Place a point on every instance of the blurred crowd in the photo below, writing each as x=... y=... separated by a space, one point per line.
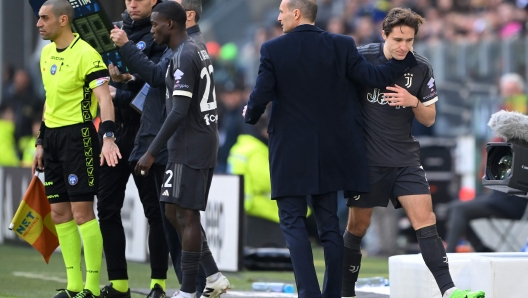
x=446 y=20
x=20 y=117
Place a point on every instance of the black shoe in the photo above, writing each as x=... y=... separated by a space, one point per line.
x=63 y=293
x=108 y=291
x=86 y=294
x=157 y=292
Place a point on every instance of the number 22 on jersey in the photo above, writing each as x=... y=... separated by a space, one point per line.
x=205 y=105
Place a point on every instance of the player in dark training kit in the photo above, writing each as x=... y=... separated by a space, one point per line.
x=395 y=169
x=192 y=135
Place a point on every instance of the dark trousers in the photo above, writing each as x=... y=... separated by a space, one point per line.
x=175 y=249
x=292 y=213
x=460 y=216
x=112 y=185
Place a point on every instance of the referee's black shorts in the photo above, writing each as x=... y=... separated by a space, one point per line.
x=186 y=187
x=71 y=162
x=388 y=183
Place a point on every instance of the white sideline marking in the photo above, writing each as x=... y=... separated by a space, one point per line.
x=42 y=277
x=39 y=276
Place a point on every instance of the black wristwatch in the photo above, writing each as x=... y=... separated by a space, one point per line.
x=108 y=134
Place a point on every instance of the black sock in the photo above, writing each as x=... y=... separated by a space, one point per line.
x=434 y=255
x=189 y=265
x=207 y=261
x=351 y=263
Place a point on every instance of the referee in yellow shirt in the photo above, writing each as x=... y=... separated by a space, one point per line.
x=75 y=78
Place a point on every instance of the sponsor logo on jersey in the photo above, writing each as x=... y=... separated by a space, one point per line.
x=53 y=69
x=165 y=193
x=408 y=80
x=210 y=118
x=97 y=64
x=181 y=86
x=178 y=74
x=430 y=84
x=141 y=45
x=72 y=179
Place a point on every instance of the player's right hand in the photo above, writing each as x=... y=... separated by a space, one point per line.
x=38 y=159
x=110 y=152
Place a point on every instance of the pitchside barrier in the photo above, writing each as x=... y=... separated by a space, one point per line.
x=223 y=220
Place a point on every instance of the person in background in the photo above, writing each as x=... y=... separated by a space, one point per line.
x=8 y=155
x=249 y=157
x=29 y=151
x=25 y=105
x=494 y=204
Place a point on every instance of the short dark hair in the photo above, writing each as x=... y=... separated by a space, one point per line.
x=398 y=17
x=172 y=10
x=194 y=5
x=308 y=8
x=61 y=7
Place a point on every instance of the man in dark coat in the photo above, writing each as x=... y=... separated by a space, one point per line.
x=316 y=140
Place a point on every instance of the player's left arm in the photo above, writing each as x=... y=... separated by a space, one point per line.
x=180 y=107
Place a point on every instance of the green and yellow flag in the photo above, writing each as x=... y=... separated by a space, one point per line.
x=32 y=221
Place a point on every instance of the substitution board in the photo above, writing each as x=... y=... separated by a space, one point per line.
x=93 y=25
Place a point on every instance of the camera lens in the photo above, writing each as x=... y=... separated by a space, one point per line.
x=504 y=168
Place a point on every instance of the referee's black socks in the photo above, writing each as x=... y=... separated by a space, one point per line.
x=434 y=255
x=351 y=263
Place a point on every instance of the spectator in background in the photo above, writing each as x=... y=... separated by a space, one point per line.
x=249 y=157
x=8 y=155
x=232 y=101
x=25 y=105
x=512 y=92
x=494 y=204
x=29 y=151
x=7 y=80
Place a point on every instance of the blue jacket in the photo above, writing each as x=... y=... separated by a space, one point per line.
x=316 y=141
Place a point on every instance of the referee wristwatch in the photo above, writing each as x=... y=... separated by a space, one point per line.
x=109 y=134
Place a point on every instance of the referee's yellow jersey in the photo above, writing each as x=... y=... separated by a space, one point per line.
x=69 y=75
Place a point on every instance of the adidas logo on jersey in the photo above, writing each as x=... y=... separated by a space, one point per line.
x=165 y=193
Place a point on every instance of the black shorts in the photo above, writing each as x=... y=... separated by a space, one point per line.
x=71 y=162
x=389 y=184
x=186 y=187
